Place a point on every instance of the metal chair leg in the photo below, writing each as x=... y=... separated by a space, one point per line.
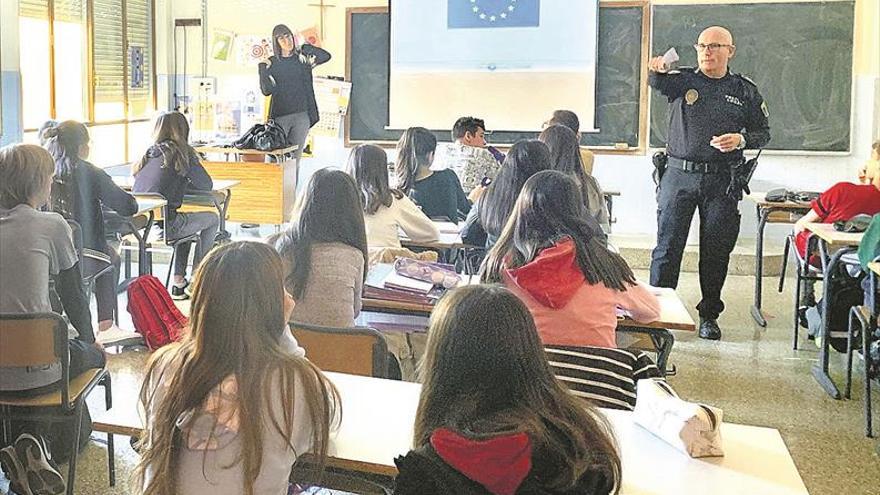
x=170 y=268
x=855 y=316
x=797 y=302
x=866 y=348
x=784 y=263
x=74 y=453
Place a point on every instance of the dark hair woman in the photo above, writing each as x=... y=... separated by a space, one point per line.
x=492 y=418
x=486 y=219
x=170 y=167
x=80 y=192
x=552 y=255
x=566 y=156
x=438 y=193
x=286 y=76
x=325 y=251
x=387 y=211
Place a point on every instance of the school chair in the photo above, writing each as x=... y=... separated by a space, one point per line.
x=92 y=264
x=804 y=271
x=38 y=340
x=604 y=376
x=356 y=350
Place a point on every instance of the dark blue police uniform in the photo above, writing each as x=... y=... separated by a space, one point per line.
x=698 y=175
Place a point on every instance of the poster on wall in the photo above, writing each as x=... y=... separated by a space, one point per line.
x=250 y=49
x=221 y=45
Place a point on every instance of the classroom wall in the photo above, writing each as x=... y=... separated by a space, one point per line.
x=629 y=174
x=10 y=81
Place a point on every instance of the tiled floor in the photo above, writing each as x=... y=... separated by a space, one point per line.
x=752 y=374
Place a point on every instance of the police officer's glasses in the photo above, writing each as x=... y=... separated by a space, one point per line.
x=714 y=47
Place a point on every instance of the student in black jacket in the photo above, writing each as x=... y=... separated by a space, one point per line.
x=287 y=77
x=438 y=193
x=492 y=418
x=170 y=167
x=80 y=192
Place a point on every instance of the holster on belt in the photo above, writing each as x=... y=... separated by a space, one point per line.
x=740 y=175
x=659 y=160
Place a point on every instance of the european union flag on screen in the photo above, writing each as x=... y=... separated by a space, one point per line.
x=493 y=13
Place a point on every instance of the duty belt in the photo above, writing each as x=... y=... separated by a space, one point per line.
x=699 y=167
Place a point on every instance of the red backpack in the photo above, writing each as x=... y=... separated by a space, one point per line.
x=153 y=313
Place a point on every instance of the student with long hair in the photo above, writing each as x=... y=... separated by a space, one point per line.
x=80 y=192
x=170 y=167
x=552 y=255
x=486 y=219
x=325 y=251
x=286 y=76
x=36 y=247
x=438 y=193
x=386 y=211
x=570 y=119
x=231 y=407
x=566 y=157
x=492 y=418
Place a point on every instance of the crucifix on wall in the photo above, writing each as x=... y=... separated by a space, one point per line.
x=321 y=5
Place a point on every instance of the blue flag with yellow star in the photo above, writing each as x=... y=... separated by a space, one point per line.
x=493 y=13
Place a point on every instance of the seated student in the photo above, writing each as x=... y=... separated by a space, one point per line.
x=231 y=407
x=565 y=154
x=486 y=219
x=79 y=193
x=170 y=167
x=34 y=247
x=842 y=201
x=467 y=155
x=491 y=418
x=552 y=255
x=570 y=119
x=325 y=251
x=387 y=211
x=438 y=193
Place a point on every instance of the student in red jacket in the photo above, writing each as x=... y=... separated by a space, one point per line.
x=842 y=201
x=492 y=419
x=552 y=255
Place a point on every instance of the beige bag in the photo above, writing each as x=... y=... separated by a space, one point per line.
x=695 y=429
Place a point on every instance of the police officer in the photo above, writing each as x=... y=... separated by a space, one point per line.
x=713 y=115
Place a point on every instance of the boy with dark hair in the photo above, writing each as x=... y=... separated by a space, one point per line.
x=468 y=155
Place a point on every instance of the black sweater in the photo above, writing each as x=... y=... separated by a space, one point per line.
x=440 y=195
x=156 y=177
x=289 y=81
x=80 y=195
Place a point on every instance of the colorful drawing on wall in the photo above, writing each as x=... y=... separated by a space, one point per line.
x=221 y=45
x=310 y=36
x=250 y=49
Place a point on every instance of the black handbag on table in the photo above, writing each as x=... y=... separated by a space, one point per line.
x=263 y=137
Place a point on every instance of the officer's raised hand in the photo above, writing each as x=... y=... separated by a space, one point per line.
x=726 y=143
x=657 y=64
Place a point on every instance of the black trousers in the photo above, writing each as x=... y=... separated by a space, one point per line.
x=681 y=193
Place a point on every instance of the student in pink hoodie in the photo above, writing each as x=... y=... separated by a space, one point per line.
x=552 y=255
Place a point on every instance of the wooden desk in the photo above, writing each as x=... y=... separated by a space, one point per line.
x=268 y=189
x=450 y=238
x=843 y=243
x=149 y=206
x=673 y=316
x=769 y=212
x=218 y=198
x=377 y=426
x=609 y=204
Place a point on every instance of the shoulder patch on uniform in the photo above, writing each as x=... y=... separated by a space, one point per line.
x=748 y=80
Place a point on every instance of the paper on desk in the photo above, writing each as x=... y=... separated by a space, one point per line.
x=670 y=57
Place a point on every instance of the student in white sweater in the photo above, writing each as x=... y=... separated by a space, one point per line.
x=387 y=212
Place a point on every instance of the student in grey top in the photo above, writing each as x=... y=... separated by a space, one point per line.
x=325 y=251
x=35 y=246
x=467 y=155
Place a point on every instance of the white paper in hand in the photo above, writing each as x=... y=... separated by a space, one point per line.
x=670 y=57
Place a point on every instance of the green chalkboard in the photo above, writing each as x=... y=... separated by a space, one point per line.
x=799 y=55
x=618 y=80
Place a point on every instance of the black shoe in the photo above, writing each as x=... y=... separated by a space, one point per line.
x=709 y=329
x=181 y=293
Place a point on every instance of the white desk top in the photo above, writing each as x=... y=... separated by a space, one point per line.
x=377 y=426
